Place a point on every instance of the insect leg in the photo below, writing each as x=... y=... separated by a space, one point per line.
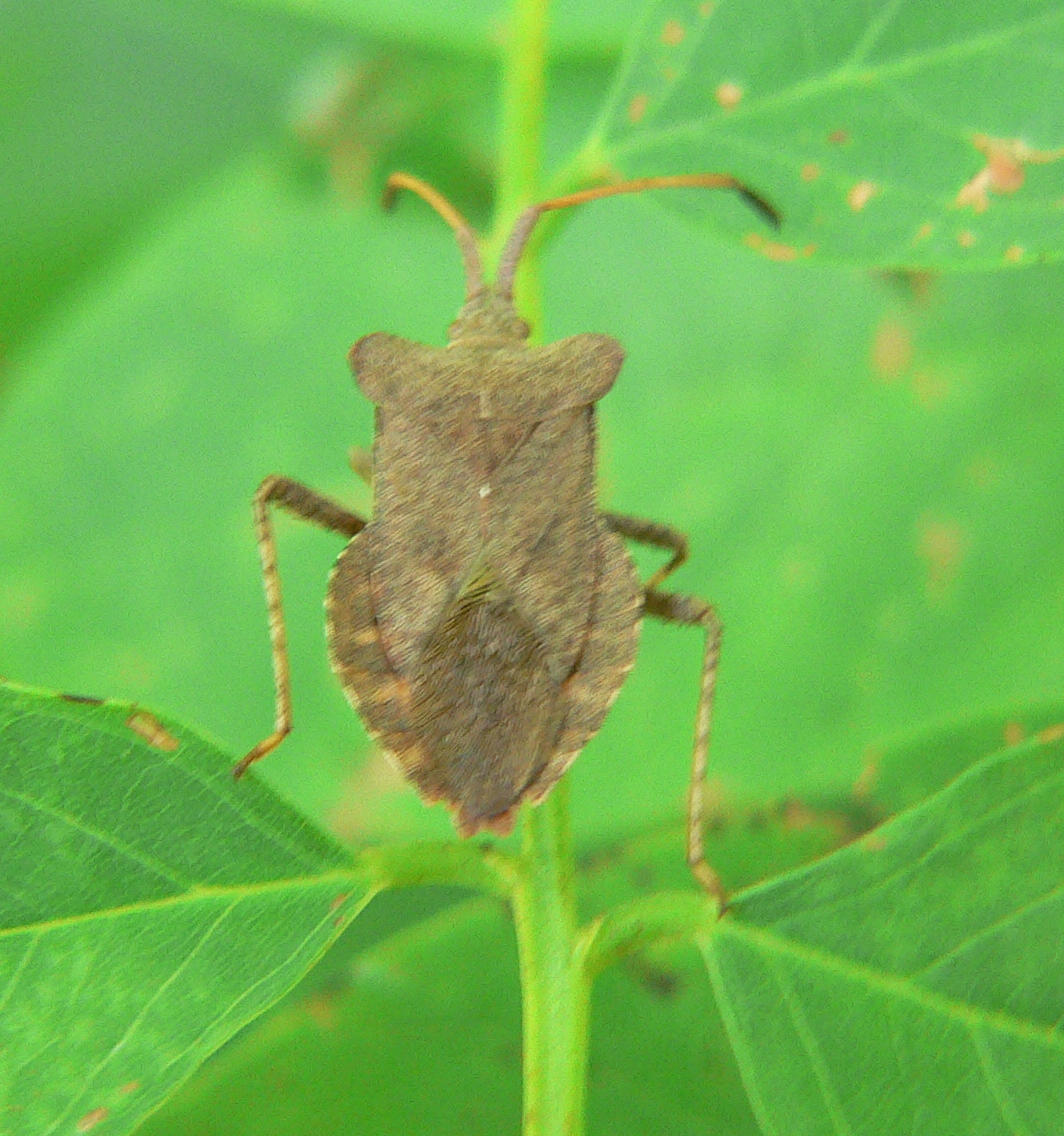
x=693 y=612
x=308 y=506
x=650 y=532
x=689 y=611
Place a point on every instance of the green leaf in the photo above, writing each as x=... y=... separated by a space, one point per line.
x=927 y=135
x=422 y=1034
x=419 y=1032
x=902 y=771
x=912 y=981
x=149 y=908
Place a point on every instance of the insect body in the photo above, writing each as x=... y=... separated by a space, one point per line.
x=484 y=620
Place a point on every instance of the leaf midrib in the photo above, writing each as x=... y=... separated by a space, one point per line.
x=195 y=894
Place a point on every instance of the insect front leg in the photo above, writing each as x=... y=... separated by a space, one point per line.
x=309 y=506
x=672 y=607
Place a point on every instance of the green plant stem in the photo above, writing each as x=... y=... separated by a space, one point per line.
x=555 y=984
x=648 y=921
x=426 y=864
x=524 y=65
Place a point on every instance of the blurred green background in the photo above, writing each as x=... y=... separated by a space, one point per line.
x=869 y=466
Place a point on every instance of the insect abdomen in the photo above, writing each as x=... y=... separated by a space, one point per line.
x=484 y=703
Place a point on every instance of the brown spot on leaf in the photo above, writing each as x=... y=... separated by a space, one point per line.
x=637 y=108
x=129 y=1087
x=83 y=699
x=1051 y=733
x=705 y=10
x=655 y=979
x=839 y=137
x=1004 y=170
x=925 y=230
x=873 y=842
x=797 y=815
x=861 y=194
x=347 y=115
x=672 y=33
x=966 y=238
x=1014 y=254
x=1013 y=733
x=774 y=250
x=915 y=286
x=919 y=285
x=338 y=901
x=728 y=95
x=90 y=1120
x=771 y=249
x=866 y=779
x=892 y=349
x=321 y=1009
x=942 y=545
x=810 y=171
x=149 y=727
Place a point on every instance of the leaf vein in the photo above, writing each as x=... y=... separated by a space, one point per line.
x=998 y=1090
x=138 y=1018
x=192 y=895
x=894 y=985
x=77 y=824
x=807 y=1038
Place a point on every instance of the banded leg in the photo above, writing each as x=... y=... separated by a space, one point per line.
x=688 y=611
x=309 y=506
x=693 y=612
x=650 y=532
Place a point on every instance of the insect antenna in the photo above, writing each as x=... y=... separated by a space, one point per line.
x=526 y=222
x=463 y=231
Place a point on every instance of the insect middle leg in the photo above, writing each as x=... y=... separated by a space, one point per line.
x=643 y=531
x=673 y=607
x=309 y=506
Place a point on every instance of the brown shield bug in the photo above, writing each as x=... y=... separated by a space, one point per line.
x=484 y=620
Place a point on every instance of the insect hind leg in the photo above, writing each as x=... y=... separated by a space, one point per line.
x=672 y=607
x=688 y=611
